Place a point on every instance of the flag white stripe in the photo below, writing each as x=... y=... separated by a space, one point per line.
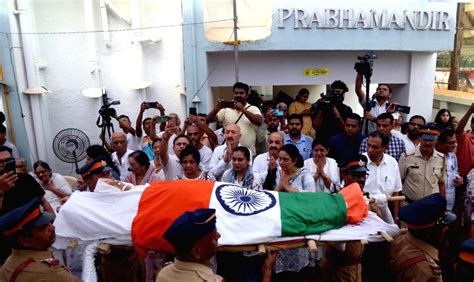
x=260 y=227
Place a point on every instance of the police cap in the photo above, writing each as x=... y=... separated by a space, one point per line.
x=426 y=212
x=97 y=165
x=356 y=163
x=429 y=132
x=467 y=251
x=188 y=228
x=23 y=217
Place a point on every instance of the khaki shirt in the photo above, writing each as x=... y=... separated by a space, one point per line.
x=187 y=271
x=345 y=266
x=42 y=269
x=248 y=130
x=420 y=177
x=413 y=260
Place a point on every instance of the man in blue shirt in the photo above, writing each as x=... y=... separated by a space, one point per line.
x=347 y=143
x=295 y=137
x=446 y=144
x=396 y=146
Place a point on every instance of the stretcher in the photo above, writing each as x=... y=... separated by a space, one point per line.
x=106 y=216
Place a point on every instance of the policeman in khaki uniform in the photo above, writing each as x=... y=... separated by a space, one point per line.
x=412 y=256
x=343 y=261
x=423 y=170
x=194 y=238
x=31 y=233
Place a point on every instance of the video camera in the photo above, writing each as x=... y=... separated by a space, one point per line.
x=331 y=98
x=365 y=63
x=106 y=111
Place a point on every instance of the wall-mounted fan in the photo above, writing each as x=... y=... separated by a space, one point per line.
x=70 y=145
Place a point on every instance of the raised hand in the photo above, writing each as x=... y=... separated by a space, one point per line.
x=7 y=181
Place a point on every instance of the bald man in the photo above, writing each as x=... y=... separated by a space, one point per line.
x=269 y=159
x=120 y=156
x=221 y=157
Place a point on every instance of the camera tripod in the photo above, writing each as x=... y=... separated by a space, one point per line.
x=364 y=67
x=106 y=127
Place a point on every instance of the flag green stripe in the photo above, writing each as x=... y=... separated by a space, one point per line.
x=311 y=213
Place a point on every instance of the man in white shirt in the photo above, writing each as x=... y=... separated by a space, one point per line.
x=274 y=142
x=266 y=166
x=126 y=126
x=379 y=104
x=119 y=143
x=195 y=129
x=384 y=176
x=412 y=138
x=170 y=163
x=222 y=155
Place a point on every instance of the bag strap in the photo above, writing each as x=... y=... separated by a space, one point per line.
x=242 y=114
x=20 y=268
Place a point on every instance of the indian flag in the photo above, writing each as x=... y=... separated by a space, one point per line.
x=243 y=216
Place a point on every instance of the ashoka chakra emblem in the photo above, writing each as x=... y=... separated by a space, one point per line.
x=240 y=201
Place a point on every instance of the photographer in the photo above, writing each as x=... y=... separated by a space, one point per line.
x=238 y=111
x=145 y=139
x=16 y=189
x=330 y=111
x=379 y=104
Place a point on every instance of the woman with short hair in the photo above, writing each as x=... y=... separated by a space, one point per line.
x=55 y=185
x=190 y=160
x=293 y=178
x=141 y=172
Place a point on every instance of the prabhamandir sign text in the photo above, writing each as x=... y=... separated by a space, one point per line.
x=360 y=19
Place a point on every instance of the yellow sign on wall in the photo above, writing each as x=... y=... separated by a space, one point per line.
x=316 y=72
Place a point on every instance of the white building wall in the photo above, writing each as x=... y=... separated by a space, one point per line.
x=119 y=66
x=420 y=93
x=285 y=71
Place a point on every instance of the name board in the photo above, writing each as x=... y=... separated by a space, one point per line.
x=359 y=19
x=316 y=72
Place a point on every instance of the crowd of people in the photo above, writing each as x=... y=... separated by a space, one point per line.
x=287 y=147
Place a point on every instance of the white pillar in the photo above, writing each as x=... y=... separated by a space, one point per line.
x=420 y=89
x=38 y=137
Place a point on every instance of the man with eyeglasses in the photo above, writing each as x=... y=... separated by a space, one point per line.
x=379 y=104
x=120 y=157
x=16 y=189
x=412 y=138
